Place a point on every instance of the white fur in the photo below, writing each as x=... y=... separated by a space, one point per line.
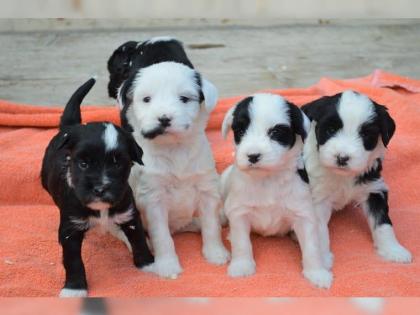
x=333 y=189
x=110 y=137
x=107 y=224
x=73 y=293
x=269 y=198
x=179 y=181
x=160 y=39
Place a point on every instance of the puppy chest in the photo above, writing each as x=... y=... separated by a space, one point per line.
x=270 y=221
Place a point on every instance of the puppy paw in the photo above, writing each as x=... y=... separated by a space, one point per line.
x=73 y=293
x=395 y=253
x=241 y=267
x=321 y=278
x=142 y=261
x=165 y=267
x=328 y=260
x=216 y=254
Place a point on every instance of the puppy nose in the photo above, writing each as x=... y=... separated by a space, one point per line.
x=165 y=121
x=254 y=158
x=342 y=160
x=99 y=191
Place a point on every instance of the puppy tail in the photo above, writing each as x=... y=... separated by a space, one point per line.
x=71 y=114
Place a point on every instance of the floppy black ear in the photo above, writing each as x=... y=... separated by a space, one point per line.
x=136 y=153
x=386 y=123
x=318 y=108
x=299 y=122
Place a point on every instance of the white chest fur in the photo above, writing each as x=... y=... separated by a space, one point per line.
x=175 y=178
x=270 y=203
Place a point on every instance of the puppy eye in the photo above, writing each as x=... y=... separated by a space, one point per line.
x=83 y=165
x=146 y=99
x=330 y=131
x=116 y=162
x=184 y=99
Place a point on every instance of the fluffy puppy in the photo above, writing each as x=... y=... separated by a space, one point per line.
x=166 y=106
x=85 y=170
x=266 y=190
x=343 y=156
x=131 y=56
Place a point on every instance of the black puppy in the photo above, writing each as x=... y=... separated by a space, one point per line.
x=127 y=59
x=85 y=170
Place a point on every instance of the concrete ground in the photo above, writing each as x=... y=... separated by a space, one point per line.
x=45 y=66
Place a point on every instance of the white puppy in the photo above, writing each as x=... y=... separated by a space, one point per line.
x=266 y=189
x=343 y=156
x=167 y=105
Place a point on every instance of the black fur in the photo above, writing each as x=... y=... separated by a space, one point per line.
x=241 y=120
x=324 y=112
x=283 y=134
x=385 y=122
x=296 y=121
x=371 y=175
x=77 y=150
x=378 y=208
x=303 y=174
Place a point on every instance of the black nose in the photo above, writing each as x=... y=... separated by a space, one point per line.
x=99 y=191
x=342 y=160
x=254 y=158
x=165 y=121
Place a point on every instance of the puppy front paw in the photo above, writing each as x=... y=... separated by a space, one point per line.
x=395 y=253
x=143 y=260
x=241 y=267
x=73 y=293
x=216 y=254
x=165 y=267
x=321 y=278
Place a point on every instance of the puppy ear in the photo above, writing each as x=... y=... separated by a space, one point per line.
x=136 y=153
x=299 y=122
x=119 y=65
x=210 y=94
x=316 y=109
x=386 y=123
x=227 y=122
x=125 y=93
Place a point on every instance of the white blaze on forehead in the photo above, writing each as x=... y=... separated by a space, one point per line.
x=268 y=110
x=110 y=137
x=354 y=110
x=160 y=39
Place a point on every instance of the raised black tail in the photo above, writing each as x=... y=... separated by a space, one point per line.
x=71 y=114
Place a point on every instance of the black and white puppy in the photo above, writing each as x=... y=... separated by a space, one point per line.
x=266 y=190
x=343 y=156
x=165 y=103
x=85 y=170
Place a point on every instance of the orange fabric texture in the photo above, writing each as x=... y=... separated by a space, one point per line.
x=30 y=255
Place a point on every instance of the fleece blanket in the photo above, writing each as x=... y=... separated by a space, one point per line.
x=203 y=306
x=30 y=256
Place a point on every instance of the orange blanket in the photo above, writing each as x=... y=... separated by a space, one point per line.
x=30 y=263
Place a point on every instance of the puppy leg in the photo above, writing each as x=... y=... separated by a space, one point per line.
x=71 y=242
x=134 y=232
x=323 y=212
x=385 y=241
x=242 y=263
x=313 y=265
x=166 y=260
x=213 y=249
